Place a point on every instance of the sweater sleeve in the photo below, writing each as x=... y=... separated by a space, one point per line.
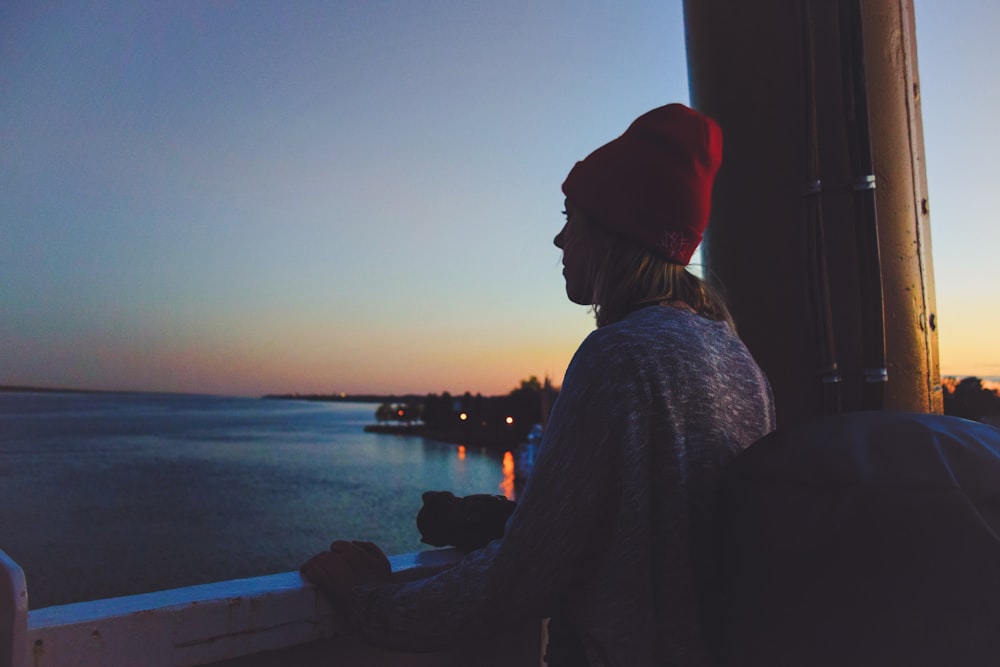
x=561 y=518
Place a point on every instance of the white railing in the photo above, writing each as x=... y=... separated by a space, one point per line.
x=272 y=620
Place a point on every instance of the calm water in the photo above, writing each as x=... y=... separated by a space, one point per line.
x=113 y=494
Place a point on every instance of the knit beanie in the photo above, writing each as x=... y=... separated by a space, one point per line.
x=653 y=184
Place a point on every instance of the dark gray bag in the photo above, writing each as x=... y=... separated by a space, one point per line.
x=862 y=539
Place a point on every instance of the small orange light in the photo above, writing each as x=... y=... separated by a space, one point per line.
x=463 y=416
x=509 y=420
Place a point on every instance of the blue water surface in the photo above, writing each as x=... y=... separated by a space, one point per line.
x=114 y=494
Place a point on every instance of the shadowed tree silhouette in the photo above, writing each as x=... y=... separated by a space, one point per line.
x=499 y=420
x=971 y=400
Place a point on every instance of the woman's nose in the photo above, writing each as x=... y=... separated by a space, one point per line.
x=560 y=237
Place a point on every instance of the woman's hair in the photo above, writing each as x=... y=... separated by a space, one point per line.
x=625 y=277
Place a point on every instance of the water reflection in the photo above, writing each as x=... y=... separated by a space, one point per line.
x=187 y=490
x=507 y=485
x=461 y=452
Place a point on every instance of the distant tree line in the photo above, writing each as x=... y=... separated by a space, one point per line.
x=505 y=417
x=970 y=399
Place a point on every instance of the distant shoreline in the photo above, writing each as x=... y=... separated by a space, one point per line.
x=346 y=398
x=22 y=389
x=495 y=443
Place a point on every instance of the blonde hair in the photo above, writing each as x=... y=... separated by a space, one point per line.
x=625 y=277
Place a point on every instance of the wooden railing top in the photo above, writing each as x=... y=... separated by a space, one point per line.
x=195 y=625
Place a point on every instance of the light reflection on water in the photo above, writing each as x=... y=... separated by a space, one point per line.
x=507 y=485
x=104 y=495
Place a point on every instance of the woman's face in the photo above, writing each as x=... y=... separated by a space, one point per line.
x=578 y=257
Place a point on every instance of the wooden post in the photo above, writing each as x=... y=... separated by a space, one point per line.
x=760 y=69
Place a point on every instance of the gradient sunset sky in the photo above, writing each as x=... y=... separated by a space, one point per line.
x=253 y=197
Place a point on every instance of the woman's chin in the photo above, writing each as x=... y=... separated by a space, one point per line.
x=577 y=298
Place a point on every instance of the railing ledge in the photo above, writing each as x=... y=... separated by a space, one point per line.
x=13 y=612
x=195 y=625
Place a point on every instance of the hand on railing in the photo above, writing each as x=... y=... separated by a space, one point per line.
x=346 y=565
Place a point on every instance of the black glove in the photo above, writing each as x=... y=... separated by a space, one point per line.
x=469 y=522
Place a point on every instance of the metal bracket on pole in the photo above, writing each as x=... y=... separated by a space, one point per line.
x=865 y=183
x=876 y=375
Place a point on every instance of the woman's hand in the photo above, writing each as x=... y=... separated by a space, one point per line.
x=346 y=565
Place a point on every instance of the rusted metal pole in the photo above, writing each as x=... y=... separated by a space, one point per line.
x=772 y=72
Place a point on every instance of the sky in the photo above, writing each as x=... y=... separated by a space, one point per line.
x=243 y=197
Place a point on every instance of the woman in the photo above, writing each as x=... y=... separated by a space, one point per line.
x=612 y=531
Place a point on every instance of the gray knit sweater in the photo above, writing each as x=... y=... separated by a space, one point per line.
x=613 y=523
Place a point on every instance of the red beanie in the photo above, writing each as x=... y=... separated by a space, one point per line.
x=653 y=184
